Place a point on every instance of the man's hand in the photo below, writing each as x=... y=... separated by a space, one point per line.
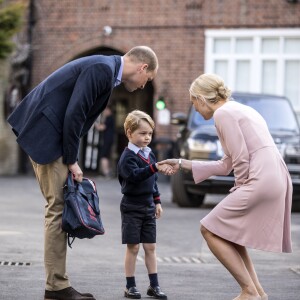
x=76 y=171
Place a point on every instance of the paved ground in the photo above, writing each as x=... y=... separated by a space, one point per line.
x=187 y=269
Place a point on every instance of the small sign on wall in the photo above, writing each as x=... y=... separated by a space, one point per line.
x=164 y=117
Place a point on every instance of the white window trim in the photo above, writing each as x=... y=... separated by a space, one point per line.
x=256 y=58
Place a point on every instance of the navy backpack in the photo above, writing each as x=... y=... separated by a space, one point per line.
x=81 y=214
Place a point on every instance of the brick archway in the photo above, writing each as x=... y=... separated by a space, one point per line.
x=85 y=46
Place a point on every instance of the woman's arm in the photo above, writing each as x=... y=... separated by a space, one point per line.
x=201 y=169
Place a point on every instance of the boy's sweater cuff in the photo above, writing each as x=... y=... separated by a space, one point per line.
x=153 y=168
x=157 y=200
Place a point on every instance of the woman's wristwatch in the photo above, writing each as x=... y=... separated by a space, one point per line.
x=179 y=163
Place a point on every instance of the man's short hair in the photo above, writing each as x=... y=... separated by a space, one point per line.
x=145 y=55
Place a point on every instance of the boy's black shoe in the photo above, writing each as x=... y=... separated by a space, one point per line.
x=132 y=293
x=156 y=292
x=67 y=294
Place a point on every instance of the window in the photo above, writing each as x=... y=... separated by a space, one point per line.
x=256 y=60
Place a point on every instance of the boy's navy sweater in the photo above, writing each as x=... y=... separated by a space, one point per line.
x=138 y=177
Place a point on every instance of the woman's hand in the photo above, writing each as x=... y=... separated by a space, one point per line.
x=166 y=169
x=172 y=162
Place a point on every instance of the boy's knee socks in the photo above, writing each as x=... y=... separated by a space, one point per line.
x=153 y=279
x=130 y=282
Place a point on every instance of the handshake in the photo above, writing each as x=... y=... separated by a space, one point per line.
x=169 y=166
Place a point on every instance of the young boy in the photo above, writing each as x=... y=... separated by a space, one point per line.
x=140 y=205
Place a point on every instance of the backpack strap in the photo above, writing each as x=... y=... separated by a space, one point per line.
x=69 y=240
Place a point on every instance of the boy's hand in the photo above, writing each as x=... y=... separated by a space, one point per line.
x=158 y=211
x=166 y=169
x=173 y=162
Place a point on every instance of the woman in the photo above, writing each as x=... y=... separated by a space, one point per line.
x=256 y=213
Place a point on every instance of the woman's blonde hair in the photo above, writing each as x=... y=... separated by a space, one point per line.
x=211 y=87
x=134 y=118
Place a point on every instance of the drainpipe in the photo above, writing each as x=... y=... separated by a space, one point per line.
x=24 y=161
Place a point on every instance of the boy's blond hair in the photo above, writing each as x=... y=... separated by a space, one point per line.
x=134 y=118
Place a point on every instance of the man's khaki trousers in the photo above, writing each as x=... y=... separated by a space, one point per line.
x=51 y=178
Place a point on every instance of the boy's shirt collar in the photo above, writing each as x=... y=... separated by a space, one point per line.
x=136 y=149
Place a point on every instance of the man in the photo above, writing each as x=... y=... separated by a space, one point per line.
x=49 y=123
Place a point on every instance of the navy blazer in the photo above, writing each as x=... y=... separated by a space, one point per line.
x=52 y=118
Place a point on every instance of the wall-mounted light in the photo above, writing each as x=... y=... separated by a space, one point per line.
x=107 y=30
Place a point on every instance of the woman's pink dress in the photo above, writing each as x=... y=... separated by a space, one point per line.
x=257 y=212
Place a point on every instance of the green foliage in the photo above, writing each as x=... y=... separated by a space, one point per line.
x=10 y=23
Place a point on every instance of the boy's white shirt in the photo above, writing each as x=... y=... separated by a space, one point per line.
x=136 y=149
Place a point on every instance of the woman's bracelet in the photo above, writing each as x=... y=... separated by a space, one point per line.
x=179 y=163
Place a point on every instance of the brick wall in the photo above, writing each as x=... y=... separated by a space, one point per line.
x=173 y=28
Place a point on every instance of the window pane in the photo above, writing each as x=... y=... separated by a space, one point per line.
x=243 y=46
x=222 y=46
x=269 y=74
x=270 y=45
x=277 y=112
x=242 y=76
x=291 y=84
x=221 y=69
x=292 y=45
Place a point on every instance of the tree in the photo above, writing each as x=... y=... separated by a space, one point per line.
x=10 y=23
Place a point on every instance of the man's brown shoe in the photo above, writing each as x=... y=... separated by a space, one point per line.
x=67 y=294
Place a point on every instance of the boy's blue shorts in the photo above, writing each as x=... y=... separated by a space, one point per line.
x=138 y=223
